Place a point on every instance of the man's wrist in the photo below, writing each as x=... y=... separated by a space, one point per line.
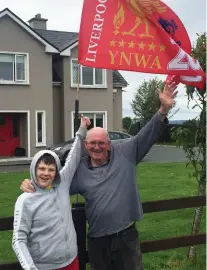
x=162 y=115
x=163 y=111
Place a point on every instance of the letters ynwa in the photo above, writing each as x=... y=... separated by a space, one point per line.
x=143 y=36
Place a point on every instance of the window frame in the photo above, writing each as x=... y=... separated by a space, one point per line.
x=43 y=143
x=26 y=71
x=105 y=119
x=104 y=76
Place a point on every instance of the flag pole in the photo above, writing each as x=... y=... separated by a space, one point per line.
x=77 y=103
x=77 y=110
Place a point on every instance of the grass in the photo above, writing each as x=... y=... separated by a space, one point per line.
x=156 y=182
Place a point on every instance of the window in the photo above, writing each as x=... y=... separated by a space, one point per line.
x=40 y=128
x=13 y=68
x=89 y=77
x=98 y=119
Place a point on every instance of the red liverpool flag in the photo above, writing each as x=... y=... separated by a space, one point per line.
x=136 y=35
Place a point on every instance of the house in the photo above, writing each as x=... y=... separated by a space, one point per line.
x=38 y=87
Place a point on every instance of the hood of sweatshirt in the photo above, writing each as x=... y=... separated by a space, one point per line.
x=35 y=159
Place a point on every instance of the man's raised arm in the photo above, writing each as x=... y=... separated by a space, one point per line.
x=137 y=147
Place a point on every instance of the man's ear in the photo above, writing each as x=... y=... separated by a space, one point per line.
x=109 y=144
x=85 y=143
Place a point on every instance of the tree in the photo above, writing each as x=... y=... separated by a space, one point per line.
x=146 y=100
x=192 y=136
x=126 y=123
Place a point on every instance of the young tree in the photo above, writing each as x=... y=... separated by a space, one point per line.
x=146 y=100
x=126 y=123
x=192 y=136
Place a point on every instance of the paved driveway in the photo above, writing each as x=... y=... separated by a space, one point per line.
x=14 y=168
x=156 y=154
x=165 y=154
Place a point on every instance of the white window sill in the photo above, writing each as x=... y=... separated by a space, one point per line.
x=90 y=86
x=40 y=145
x=14 y=83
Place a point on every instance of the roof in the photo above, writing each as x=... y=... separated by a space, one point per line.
x=59 y=39
x=118 y=79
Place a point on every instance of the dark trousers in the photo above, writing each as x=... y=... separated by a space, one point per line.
x=120 y=251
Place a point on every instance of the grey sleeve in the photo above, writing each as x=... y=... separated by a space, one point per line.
x=73 y=159
x=137 y=147
x=74 y=186
x=21 y=230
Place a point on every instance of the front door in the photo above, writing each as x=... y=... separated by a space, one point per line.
x=9 y=134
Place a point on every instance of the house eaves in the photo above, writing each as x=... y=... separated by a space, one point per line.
x=118 y=80
x=48 y=47
x=118 y=85
x=67 y=51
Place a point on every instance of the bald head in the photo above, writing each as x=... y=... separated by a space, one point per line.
x=97 y=132
x=98 y=145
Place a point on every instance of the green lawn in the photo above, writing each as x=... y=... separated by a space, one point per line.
x=156 y=182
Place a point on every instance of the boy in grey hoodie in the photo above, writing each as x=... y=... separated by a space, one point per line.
x=44 y=237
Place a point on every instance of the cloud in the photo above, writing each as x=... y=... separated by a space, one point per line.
x=65 y=16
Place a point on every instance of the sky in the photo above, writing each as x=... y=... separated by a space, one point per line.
x=65 y=15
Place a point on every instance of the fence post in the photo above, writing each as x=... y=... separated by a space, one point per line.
x=79 y=219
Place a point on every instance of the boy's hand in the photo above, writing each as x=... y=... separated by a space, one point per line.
x=27 y=186
x=85 y=121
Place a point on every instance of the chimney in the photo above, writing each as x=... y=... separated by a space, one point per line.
x=38 y=22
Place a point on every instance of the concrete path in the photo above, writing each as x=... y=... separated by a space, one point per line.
x=161 y=153
x=156 y=154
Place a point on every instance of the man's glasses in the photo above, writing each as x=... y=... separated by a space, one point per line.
x=99 y=143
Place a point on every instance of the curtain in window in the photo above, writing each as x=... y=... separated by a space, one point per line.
x=6 y=67
x=20 y=67
x=75 y=72
x=98 y=76
x=87 y=76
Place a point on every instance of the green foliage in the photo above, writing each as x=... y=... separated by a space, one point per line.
x=146 y=100
x=198 y=52
x=126 y=122
x=192 y=135
x=189 y=137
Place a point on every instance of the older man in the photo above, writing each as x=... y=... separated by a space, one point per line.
x=106 y=178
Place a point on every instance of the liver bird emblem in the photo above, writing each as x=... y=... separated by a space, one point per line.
x=141 y=8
